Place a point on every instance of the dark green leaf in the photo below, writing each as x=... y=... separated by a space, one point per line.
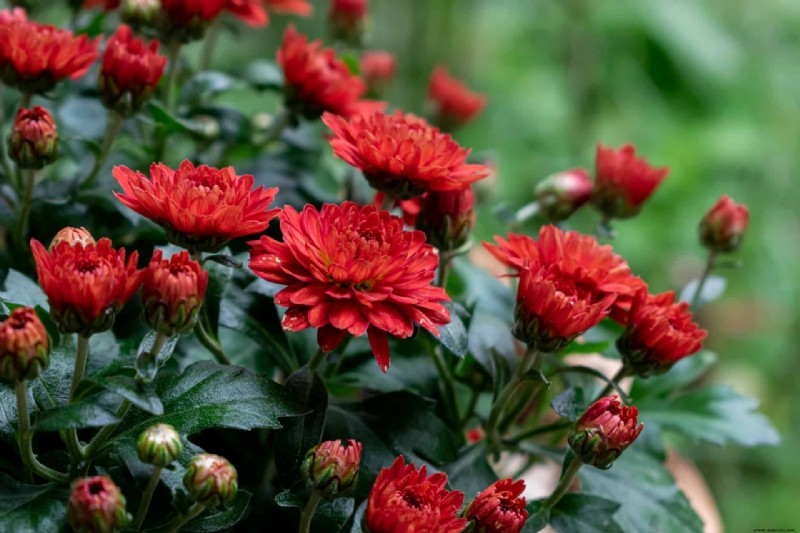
x=31 y=508
x=471 y=473
x=684 y=373
x=218 y=278
x=172 y=124
x=358 y=518
x=585 y=513
x=502 y=371
x=206 y=84
x=219 y=519
x=289 y=499
x=224 y=260
x=142 y=395
x=453 y=336
x=21 y=290
x=8 y=414
x=83 y=414
x=331 y=517
x=570 y=404
x=263 y=75
x=538 y=517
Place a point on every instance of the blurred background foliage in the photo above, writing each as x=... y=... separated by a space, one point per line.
x=706 y=87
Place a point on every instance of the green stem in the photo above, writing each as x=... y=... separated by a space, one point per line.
x=71 y=435
x=308 y=512
x=316 y=359
x=147 y=496
x=113 y=127
x=444 y=268
x=473 y=401
x=209 y=44
x=211 y=345
x=102 y=436
x=563 y=484
x=25 y=437
x=25 y=207
x=180 y=521
x=492 y=433
x=150 y=357
x=279 y=123
x=619 y=376
x=173 y=58
x=525 y=435
x=25 y=100
x=712 y=256
x=7 y=170
x=446 y=380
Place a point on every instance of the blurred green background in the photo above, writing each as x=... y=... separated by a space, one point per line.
x=706 y=87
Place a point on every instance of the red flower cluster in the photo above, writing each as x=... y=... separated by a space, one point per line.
x=317 y=80
x=24 y=345
x=623 y=181
x=401 y=154
x=660 y=333
x=454 y=104
x=130 y=72
x=86 y=285
x=405 y=499
x=201 y=208
x=33 y=142
x=604 y=431
x=255 y=12
x=96 y=504
x=34 y=57
x=378 y=69
x=352 y=269
x=499 y=509
x=172 y=292
x=561 y=194
x=723 y=227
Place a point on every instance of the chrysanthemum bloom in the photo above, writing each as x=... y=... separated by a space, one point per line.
x=660 y=333
x=188 y=19
x=561 y=194
x=16 y=14
x=592 y=266
x=623 y=181
x=604 y=431
x=24 y=345
x=410 y=208
x=553 y=308
x=454 y=104
x=34 y=57
x=401 y=154
x=255 y=12
x=724 y=225
x=331 y=468
x=405 y=499
x=347 y=19
x=172 y=293
x=86 y=285
x=316 y=80
x=96 y=505
x=159 y=445
x=33 y=142
x=352 y=269
x=201 y=208
x=72 y=236
x=498 y=509
x=211 y=480
x=130 y=72
x=378 y=69
x=447 y=218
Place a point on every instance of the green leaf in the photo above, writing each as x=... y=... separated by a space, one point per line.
x=538 y=517
x=331 y=517
x=648 y=497
x=264 y=75
x=83 y=414
x=684 y=373
x=141 y=395
x=570 y=404
x=453 y=336
x=358 y=518
x=21 y=290
x=585 y=513
x=31 y=508
x=172 y=124
x=289 y=500
x=8 y=414
x=471 y=473
x=219 y=519
x=206 y=84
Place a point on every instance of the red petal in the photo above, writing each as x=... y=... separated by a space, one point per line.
x=329 y=338
x=380 y=347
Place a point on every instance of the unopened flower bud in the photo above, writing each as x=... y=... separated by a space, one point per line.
x=211 y=480
x=561 y=194
x=172 y=292
x=604 y=431
x=377 y=70
x=96 y=505
x=724 y=225
x=447 y=218
x=139 y=13
x=33 y=142
x=24 y=345
x=331 y=467
x=498 y=509
x=159 y=445
x=347 y=19
x=72 y=236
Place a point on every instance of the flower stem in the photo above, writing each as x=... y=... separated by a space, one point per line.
x=473 y=401
x=173 y=56
x=25 y=437
x=209 y=44
x=619 y=376
x=113 y=127
x=525 y=435
x=316 y=359
x=25 y=100
x=444 y=269
x=147 y=496
x=193 y=512
x=446 y=381
x=712 y=256
x=71 y=435
x=211 y=345
x=102 y=436
x=7 y=170
x=308 y=512
x=530 y=358
x=563 y=484
x=25 y=207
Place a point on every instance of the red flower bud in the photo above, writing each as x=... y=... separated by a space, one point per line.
x=405 y=499
x=159 y=445
x=188 y=19
x=723 y=227
x=211 y=479
x=454 y=104
x=254 y=12
x=347 y=19
x=24 y=345
x=72 y=236
x=378 y=69
x=172 y=292
x=659 y=333
x=96 y=505
x=604 y=431
x=140 y=13
x=130 y=72
x=623 y=181
x=561 y=194
x=33 y=142
x=447 y=218
x=498 y=509
x=332 y=468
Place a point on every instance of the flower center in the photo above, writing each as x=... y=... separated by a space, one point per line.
x=96 y=487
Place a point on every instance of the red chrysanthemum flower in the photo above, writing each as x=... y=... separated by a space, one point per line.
x=454 y=104
x=33 y=142
x=378 y=69
x=405 y=499
x=86 y=285
x=130 y=72
x=347 y=19
x=401 y=154
x=410 y=208
x=623 y=181
x=201 y=208
x=604 y=431
x=188 y=19
x=255 y=12
x=172 y=292
x=593 y=266
x=499 y=509
x=96 y=504
x=660 y=333
x=723 y=226
x=24 y=345
x=318 y=81
x=447 y=217
x=34 y=57
x=352 y=269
